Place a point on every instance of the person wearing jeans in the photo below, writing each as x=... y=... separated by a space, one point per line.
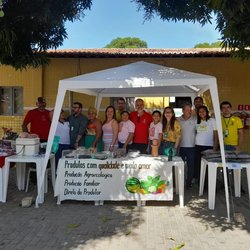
x=206 y=137
x=187 y=144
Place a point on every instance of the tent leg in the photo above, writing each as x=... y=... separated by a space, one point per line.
x=216 y=105
x=98 y=101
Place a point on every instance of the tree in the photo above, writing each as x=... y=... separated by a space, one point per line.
x=232 y=18
x=127 y=42
x=208 y=45
x=29 y=28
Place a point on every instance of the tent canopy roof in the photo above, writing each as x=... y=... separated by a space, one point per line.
x=128 y=80
x=138 y=79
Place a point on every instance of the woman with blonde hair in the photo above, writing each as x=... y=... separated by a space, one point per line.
x=93 y=131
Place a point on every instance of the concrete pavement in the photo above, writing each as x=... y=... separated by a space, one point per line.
x=122 y=225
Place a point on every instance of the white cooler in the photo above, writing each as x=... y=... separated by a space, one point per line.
x=27 y=146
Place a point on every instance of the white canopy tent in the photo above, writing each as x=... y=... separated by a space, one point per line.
x=134 y=80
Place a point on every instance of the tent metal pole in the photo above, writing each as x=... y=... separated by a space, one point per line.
x=70 y=98
x=215 y=100
x=98 y=101
x=56 y=114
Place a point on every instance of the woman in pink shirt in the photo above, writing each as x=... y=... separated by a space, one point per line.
x=126 y=131
x=155 y=130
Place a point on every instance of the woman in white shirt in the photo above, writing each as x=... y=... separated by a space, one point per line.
x=62 y=131
x=206 y=136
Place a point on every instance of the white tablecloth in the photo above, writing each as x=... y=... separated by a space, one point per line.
x=141 y=178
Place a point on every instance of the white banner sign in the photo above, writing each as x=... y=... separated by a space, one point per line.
x=142 y=178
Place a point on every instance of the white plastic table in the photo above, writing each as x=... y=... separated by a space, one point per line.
x=2 y=173
x=212 y=176
x=20 y=171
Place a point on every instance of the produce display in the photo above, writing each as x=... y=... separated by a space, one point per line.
x=153 y=185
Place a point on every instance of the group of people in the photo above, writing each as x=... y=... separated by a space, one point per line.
x=199 y=133
x=188 y=135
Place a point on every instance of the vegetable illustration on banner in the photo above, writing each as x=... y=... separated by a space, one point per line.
x=153 y=185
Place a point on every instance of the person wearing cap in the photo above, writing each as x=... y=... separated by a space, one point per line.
x=78 y=123
x=39 y=120
x=93 y=131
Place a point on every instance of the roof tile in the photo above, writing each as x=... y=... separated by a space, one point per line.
x=144 y=52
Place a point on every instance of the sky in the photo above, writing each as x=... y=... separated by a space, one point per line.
x=109 y=19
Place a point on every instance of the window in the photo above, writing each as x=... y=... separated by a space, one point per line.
x=11 y=101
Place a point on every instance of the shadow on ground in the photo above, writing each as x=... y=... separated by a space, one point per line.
x=77 y=224
x=67 y=225
x=217 y=218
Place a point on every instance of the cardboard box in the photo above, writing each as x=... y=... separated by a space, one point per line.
x=27 y=146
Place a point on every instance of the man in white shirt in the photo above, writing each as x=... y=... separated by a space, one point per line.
x=187 y=144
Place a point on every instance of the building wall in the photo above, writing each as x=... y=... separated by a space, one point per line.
x=31 y=81
x=232 y=75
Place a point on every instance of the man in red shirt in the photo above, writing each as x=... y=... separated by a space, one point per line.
x=39 y=120
x=142 y=120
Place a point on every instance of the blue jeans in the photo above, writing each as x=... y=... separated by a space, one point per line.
x=198 y=150
x=120 y=145
x=230 y=147
x=58 y=154
x=188 y=155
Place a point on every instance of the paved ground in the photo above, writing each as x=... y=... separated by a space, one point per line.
x=122 y=225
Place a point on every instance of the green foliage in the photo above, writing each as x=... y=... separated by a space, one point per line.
x=176 y=10
x=29 y=28
x=209 y=45
x=153 y=185
x=127 y=42
x=232 y=18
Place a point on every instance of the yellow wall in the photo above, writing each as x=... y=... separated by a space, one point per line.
x=232 y=75
x=31 y=81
